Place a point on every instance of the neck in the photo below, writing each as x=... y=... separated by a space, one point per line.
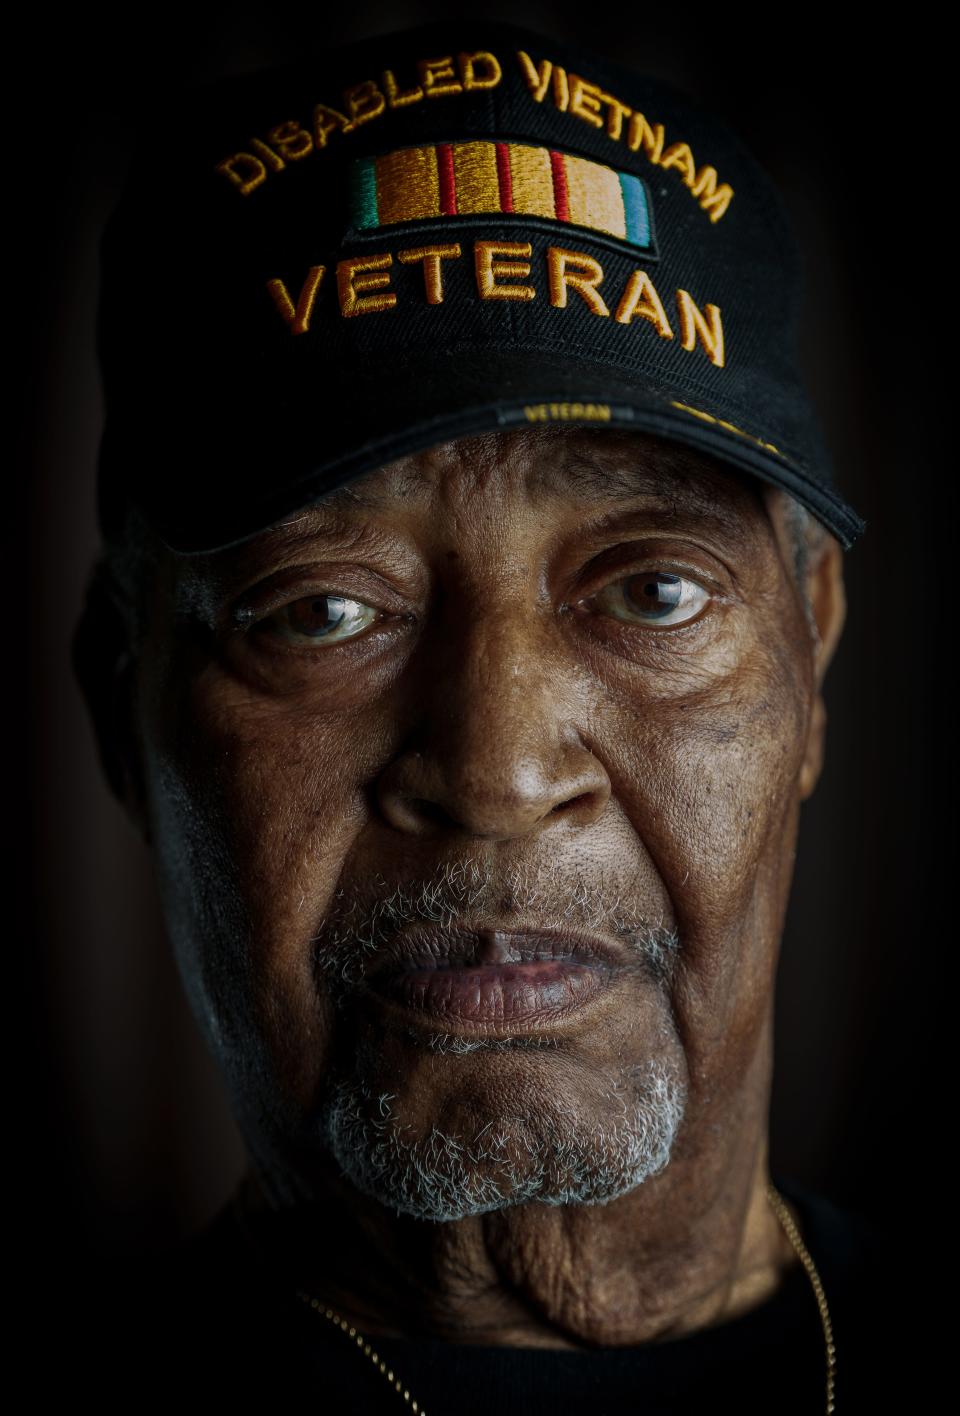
x=683 y=1251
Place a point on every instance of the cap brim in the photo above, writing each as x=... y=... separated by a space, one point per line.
x=433 y=399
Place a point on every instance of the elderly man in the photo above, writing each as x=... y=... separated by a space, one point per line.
x=471 y=571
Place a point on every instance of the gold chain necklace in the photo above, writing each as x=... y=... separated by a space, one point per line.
x=782 y=1213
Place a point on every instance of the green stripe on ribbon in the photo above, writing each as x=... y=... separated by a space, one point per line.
x=363 y=194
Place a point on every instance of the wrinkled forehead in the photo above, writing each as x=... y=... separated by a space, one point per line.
x=587 y=468
x=541 y=482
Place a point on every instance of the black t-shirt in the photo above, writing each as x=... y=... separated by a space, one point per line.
x=218 y=1324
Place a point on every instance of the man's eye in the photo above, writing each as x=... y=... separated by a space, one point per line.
x=652 y=597
x=326 y=619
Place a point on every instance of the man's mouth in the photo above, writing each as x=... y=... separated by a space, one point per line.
x=491 y=978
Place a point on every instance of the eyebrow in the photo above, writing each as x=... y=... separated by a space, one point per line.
x=607 y=478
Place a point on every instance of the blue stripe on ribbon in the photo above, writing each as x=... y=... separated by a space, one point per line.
x=635 y=209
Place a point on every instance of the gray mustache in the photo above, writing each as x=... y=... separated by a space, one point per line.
x=363 y=917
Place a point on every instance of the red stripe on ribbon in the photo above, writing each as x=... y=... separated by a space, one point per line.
x=561 y=203
x=504 y=177
x=448 y=191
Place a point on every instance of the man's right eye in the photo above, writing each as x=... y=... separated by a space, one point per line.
x=319 y=618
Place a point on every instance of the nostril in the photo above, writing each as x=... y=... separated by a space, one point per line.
x=426 y=809
x=573 y=804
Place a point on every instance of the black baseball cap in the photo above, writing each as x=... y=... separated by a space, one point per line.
x=459 y=227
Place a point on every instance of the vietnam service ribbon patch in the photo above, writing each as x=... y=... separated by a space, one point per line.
x=441 y=182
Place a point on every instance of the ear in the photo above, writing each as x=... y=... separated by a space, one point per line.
x=829 y=605
x=104 y=664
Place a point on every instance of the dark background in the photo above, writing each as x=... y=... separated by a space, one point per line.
x=125 y=1139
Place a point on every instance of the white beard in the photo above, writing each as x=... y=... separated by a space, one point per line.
x=549 y=1153
x=542 y=1148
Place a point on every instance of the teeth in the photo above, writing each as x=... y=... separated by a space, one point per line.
x=493 y=948
x=511 y=956
x=486 y=947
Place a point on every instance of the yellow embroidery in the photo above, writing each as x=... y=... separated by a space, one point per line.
x=468 y=77
x=585 y=100
x=641 y=301
x=679 y=155
x=475 y=177
x=290 y=141
x=488 y=267
x=497 y=264
x=293 y=141
x=356 y=275
x=645 y=136
x=431 y=257
x=436 y=76
x=692 y=324
x=713 y=199
x=363 y=102
x=537 y=78
x=585 y=276
x=408 y=185
x=297 y=318
x=532 y=179
x=594 y=196
x=616 y=112
x=574 y=94
x=543 y=412
x=709 y=418
x=326 y=121
x=561 y=90
x=268 y=155
x=395 y=98
x=256 y=172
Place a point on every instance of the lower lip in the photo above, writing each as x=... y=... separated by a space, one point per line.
x=495 y=994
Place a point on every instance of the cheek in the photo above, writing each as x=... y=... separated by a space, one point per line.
x=255 y=807
x=710 y=782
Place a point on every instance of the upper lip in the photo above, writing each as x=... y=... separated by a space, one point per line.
x=465 y=945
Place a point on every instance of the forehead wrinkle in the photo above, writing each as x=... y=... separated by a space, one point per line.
x=603 y=469
x=620 y=476
x=607 y=470
x=619 y=464
x=588 y=464
x=368 y=492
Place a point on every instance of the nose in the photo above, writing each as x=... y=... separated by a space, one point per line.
x=495 y=752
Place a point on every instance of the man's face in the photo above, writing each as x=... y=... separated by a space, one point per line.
x=474 y=791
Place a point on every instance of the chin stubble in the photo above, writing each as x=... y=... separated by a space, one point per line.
x=546 y=1149
x=547 y=1153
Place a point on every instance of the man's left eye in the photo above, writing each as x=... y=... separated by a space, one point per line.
x=321 y=618
x=652 y=597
